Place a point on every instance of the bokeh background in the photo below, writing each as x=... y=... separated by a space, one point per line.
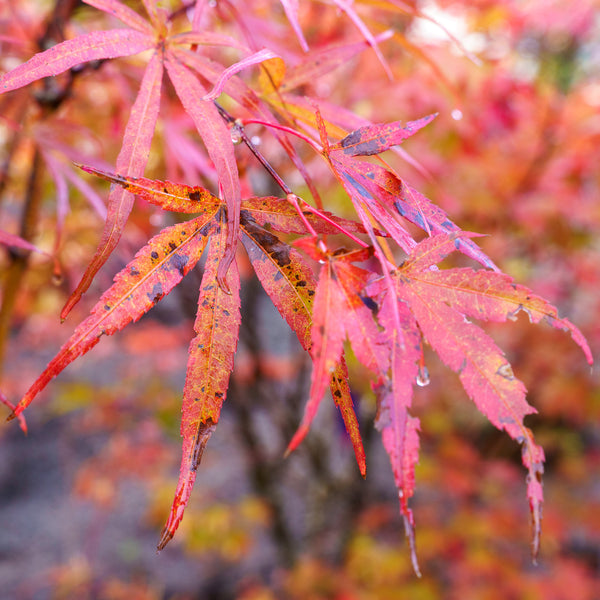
x=513 y=154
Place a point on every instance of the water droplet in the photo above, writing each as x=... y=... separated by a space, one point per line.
x=423 y=377
x=457 y=114
x=236 y=134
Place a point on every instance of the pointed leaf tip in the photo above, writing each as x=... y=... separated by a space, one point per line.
x=374 y=139
x=165 y=537
x=409 y=530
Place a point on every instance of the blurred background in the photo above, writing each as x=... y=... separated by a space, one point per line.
x=513 y=154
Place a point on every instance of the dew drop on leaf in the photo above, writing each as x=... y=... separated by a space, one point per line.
x=457 y=114
x=423 y=376
x=236 y=134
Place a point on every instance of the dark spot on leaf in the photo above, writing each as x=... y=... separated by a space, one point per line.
x=154 y=255
x=157 y=292
x=301 y=283
x=400 y=208
x=337 y=394
x=310 y=292
x=357 y=186
x=417 y=219
x=195 y=196
x=270 y=243
x=351 y=139
x=206 y=229
x=369 y=303
x=226 y=312
x=218 y=394
x=221 y=216
x=178 y=262
x=107 y=307
x=133 y=271
x=172 y=246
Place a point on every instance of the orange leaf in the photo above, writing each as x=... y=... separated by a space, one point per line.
x=209 y=366
x=157 y=268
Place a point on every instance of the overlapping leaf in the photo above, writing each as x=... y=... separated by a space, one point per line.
x=384 y=195
x=155 y=271
x=375 y=139
x=289 y=281
x=440 y=301
x=399 y=430
x=209 y=365
x=132 y=161
x=384 y=310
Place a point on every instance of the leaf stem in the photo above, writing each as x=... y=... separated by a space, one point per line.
x=291 y=197
x=289 y=130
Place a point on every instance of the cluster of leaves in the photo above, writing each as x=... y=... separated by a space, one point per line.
x=385 y=294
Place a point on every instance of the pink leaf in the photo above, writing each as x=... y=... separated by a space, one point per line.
x=340 y=392
x=14 y=241
x=123 y=13
x=253 y=59
x=491 y=296
x=217 y=139
x=434 y=249
x=392 y=193
x=357 y=187
x=132 y=160
x=374 y=139
x=483 y=371
x=359 y=322
x=320 y=62
x=349 y=10
x=91 y=46
x=282 y=216
x=394 y=394
x=328 y=336
x=291 y=10
x=169 y=196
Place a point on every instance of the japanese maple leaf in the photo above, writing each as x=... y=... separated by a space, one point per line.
x=441 y=302
x=158 y=268
x=167 y=52
x=382 y=194
x=289 y=281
